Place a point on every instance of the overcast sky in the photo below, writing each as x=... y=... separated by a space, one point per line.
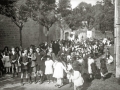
x=74 y=3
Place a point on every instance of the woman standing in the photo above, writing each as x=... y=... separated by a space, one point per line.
x=59 y=72
x=49 y=68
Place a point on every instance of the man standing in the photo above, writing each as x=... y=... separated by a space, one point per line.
x=56 y=47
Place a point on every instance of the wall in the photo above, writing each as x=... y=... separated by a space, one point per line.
x=32 y=33
x=9 y=33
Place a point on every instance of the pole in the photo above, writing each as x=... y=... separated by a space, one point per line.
x=20 y=36
x=117 y=38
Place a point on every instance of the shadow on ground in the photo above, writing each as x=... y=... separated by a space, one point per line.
x=87 y=82
x=108 y=76
x=15 y=88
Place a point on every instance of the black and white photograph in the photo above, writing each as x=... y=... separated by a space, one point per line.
x=59 y=44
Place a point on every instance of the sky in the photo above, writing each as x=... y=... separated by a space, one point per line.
x=74 y=3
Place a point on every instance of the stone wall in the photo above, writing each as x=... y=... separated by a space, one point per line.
x=32 y=33
x=9 y=33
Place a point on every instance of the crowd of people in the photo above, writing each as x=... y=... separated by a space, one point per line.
x=57 y=61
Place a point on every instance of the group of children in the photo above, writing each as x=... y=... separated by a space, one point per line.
x=56 y=61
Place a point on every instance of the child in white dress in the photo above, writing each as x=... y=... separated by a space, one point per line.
x=59 y=72
x=49 y=68
x=7 y=64
x=77 y=79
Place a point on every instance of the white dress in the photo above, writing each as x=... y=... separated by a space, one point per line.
x=49 y=67
x=90 y=61
x=58 y=70
x=110 y=59
x=6 y=61
x=77 y=79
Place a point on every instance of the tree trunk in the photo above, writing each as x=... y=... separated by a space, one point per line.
x=47 y=35
x=20 y=36
x=105 y=35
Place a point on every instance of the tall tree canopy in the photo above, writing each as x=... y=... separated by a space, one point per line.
x=105 y=16
x=17 y=14
x=99 y=16
x=43 y=11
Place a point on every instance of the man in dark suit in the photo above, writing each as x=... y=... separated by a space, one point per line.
x=56 y=47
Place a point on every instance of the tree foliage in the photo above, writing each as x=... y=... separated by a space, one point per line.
x=105 y=16
x=18 y=15
x=74 y=18
x=99 y=16
x=42 y=11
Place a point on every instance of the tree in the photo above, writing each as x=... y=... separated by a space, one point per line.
x=43 y=11
x=87 y=14
x=105 y=16
x=19 y=18
x=67 y=14
x=64 y=7
x=17 y=14
x=74 y=18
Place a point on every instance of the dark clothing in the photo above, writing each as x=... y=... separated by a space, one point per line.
x=94 y=68
x=60 y=52
x=44 y=47
x=24 y=59
x=32 y=59
x=103 y=66
x=13 y=57
x=55 y=48
x=40 y=63
x=38 y=58
x=1 y=65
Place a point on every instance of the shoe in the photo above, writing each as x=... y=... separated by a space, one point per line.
x=70 y=84
x=60 y=86
x=52 y=82
x=40 y=82
x=56 y=85
x=103 y=79
x=12 y=76
x=30 y=82
x=48 y=82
